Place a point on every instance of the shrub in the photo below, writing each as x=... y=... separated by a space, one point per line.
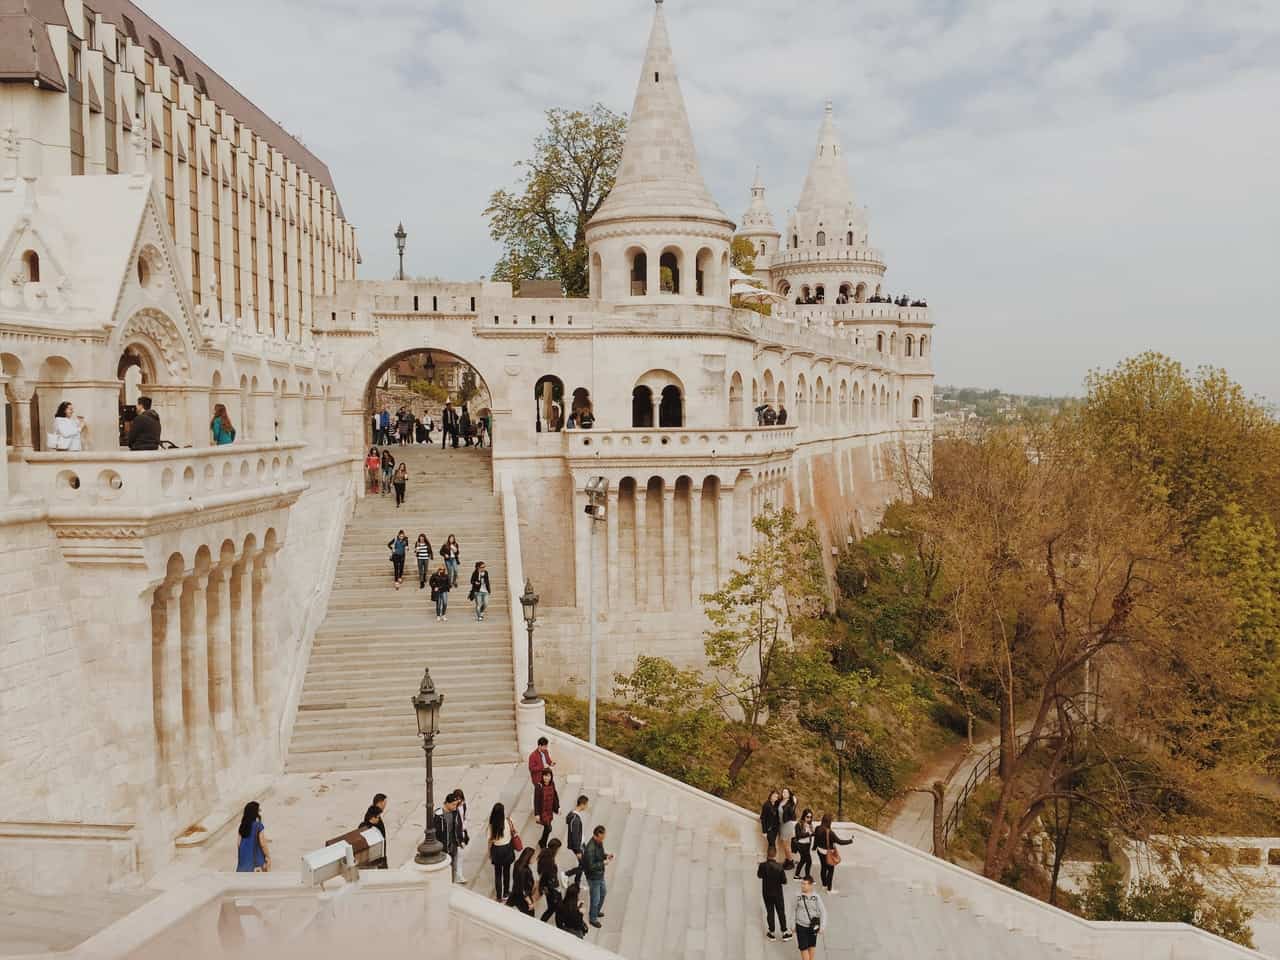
x=1178 y=897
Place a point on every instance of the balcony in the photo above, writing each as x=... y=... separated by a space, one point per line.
x=678 y=444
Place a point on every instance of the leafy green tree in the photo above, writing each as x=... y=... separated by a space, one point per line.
x=1179 y=897
x=542 y=225
x=742 y=254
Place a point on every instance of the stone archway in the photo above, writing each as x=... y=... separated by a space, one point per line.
x=422 y=381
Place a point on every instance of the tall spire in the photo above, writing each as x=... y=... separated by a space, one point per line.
x=826 y=188
x=758 y=217
x=659 y=174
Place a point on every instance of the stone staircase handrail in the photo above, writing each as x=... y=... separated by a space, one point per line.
x=507 y=934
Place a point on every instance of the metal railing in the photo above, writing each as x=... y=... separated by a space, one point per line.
x=980 y=774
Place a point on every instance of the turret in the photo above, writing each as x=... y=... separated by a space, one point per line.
x=826 y=215
x=659 y=236
x=757 y=222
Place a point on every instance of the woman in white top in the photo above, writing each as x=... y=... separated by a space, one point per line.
x=502 y=833
x=68 y=429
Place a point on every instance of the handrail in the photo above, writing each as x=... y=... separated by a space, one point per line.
x=979 y=775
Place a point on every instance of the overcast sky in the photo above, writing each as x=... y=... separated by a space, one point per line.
x=1066 y=182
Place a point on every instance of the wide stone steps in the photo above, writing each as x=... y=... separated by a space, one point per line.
x=369 y=653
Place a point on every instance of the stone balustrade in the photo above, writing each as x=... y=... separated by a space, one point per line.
x=839 y=313
x=835 y=253
x=736 y=443
x=76 y=484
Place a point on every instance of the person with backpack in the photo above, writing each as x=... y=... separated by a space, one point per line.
x=399 y=546
x=811 y=917
x=773 y=877
x=573 y=830
x=825 y=845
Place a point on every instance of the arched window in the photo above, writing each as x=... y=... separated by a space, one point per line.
x=548 y=396
x=879 y=343
x=580 y=408
x=736 y=401
x=924 y=343
x=860 y=293
x=843 y=295
x=893 y=344
x=820 y=293
x=671 y=407
x=669 y=271
x=795 y=241
x=762 y=248
x=642 y=407
x=910 y=345
x=639 y=273
x=705 y=271
x=917 y=408
x=31 y=262
x=848 y=238
x=822 y=238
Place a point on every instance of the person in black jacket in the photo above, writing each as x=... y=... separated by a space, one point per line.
x=573 y=829
x=480 y=589
x=772 y=879
x=569 y=915
x=549 y=879
x=144 y=434
x=769 y=821
x=373 y=820
x=803 y=842
x=825 y=841
x=521 y=896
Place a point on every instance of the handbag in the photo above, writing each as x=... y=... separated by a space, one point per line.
x=833 y=857
x=56 y=441
x=516 y=843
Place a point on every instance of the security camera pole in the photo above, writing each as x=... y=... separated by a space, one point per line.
x=597 y=497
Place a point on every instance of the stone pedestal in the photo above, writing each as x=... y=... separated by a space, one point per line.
x=529 y=718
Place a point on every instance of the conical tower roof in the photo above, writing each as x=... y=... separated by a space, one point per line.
x=758 y=218
x=826 y=188
x=659 y=174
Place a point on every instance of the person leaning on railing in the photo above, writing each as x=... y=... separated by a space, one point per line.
x=144 y=434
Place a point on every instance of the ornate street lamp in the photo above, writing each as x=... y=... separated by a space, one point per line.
x=839 y=743
x=529 y=602
x=426 y=705
x=400 y=238
x=430 y=368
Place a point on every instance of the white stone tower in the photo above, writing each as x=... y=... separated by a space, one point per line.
x=659 y=236
x=757 y=223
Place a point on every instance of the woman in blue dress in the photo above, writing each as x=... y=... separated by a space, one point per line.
x=253 y=855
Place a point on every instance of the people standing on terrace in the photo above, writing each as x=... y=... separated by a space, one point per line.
x=803 y=843
x=68 y=429
x=769 y=821
x=787 y=825
x=502 y=833
x=782 y=414
x=145 y=432
x=220 y=426
x=825 y=845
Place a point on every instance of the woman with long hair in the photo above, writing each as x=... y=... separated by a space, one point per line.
x=68 y=429
x=440 y=593
x=569 y=917
x=803 y=842
x=769 y=822
x=422 y=550
x=521 y=895
x=480 y=589
x=398 y=480
x=220 y=426
x=388 y=468
x=825 y=842
x=549 y=879
x=502 y=833
x=787 y=826
x=252 y=854
x=451 y=554
x=373 y=467
x=546 y=804
x=399 y=546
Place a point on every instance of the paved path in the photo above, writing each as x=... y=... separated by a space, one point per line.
x=913 y=821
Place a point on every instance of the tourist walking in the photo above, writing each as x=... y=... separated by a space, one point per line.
x=546 y=803
x=253 y=855
x=375 y=430
x=480 y=589
x=398 y=480
x=145 y=432
x=773 y=877
x=540 y=760
x=502 y=838
x=384 y=427
x=803 y=844
x=810 y=917
x=428 y=425
x=569 y=916
x=826 y=845
x=449 y=833
x=594 y=860
x=422 y=551
x=549 y=879
x=220 y=426
x=399 y=546
x=464 y=424
x=451 y=554
x=388 y=469
x=373 y=468
x=787 y=826
x=440 y=593
x=769 y=822
x=448 y=425
x=573 y=833
x=68 y=429
x=522 y=883
x=373 y=821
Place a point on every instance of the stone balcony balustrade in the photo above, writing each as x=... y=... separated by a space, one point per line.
x=842 y=313
x=835 y=253
x=108 y=506
x=750 y=444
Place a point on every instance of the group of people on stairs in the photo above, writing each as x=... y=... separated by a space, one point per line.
x=445 y=577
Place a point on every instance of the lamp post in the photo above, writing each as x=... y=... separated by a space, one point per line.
x=839 y=744
x=430 y=368
x=529 y=602
x=597 y=497
x=426 y=705
x=400 y=236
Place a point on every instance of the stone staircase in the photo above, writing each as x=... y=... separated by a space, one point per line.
x=369 y=654
x=680 y=891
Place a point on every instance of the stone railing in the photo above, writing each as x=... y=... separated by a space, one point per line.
x=851 y=313
x=678 y=802
x=833 y=253
x=97 y=482
x=676 y=443
x=482 y=928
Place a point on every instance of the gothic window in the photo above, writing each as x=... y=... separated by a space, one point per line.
x=849 y=238
x=795 y=241
x=880 y=343
x=671 y=407
x=822 y=238
x=910 y=345
x=762 y=248
x=31 y=262
x=642 y=407
x=917 y=408
x=669 y=271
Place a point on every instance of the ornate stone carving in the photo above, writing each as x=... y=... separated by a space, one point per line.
x=163 y=332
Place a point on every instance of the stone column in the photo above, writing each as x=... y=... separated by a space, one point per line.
x=696 y=578
x=169 y=675
x=195 y=669
x=641 y=566
x=653 y=278
x=725 y=553
x=668 y=546
x=4 y=443
x=611 y=546
x=263 y=637
x=264 y=416
x=656 y=399
x=22 y=392
x=220 y=615
x=243 y=696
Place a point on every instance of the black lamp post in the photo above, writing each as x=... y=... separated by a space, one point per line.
x=529 y=601
x=400 y=238
x=427 y=706
x=839 y=743
x=430 y=368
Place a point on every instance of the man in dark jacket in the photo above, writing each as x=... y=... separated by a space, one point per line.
x=145 y=432
x=782 y=415
x=450 y=833
x=772 y=879
x=573 y=827
x=593 y=863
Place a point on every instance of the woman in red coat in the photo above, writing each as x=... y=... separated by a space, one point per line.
x=546 y=803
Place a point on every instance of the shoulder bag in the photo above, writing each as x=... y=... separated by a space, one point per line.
x=516 y=843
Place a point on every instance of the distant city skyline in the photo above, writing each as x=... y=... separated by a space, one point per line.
x=1067 y=185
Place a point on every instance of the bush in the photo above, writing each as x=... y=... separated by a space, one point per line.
x=1179 y=897
x=949 y=716
x=875 y=763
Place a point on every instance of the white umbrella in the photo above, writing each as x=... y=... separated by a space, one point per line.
x=750 y=294
x=736 y=275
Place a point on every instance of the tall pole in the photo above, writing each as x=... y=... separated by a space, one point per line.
x=530 y=694
x=431 y=850
x=591 y=614
x=840 y=788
